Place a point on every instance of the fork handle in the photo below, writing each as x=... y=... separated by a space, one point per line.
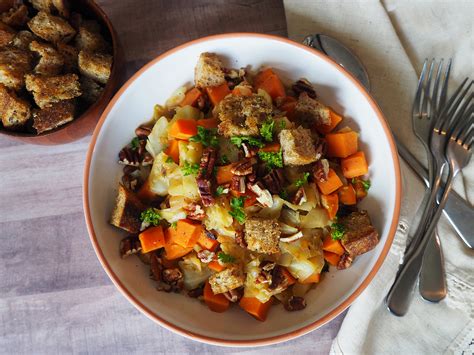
x=457 y=210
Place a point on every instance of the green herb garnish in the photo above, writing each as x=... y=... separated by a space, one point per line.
x=337 y=231
x=219 y=190
x=225 y=258
x=224 y=159
x=151 y=216
x=169 y=160
x=302 y=181
x=272 y=159
x=174 y=225
x=284 y=194
x=266 y=131
x=135 y=143
x=238 y=140
x=237 y=208
x=190 y=168
x=207 y=137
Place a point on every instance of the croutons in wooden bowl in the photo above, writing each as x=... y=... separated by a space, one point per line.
x=60 y=64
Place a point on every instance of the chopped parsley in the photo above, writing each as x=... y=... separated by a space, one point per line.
x=207 y=137
x=272 y=159
x=238 y=140
x=237 y=208
x=337 y=231
x=174 y=225
x=302 y=181
x=135 y=143
x=169 y=160
x=225 y=258
x=220 y=190
x=224 y=159
x=151 y=216
x=190 y=168
x=266 y=131
x=365 y=183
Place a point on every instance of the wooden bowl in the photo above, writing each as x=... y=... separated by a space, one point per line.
x=86 y=122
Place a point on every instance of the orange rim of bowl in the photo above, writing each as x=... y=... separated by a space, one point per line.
x=268 y=340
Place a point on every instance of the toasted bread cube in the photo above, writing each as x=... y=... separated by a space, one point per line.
x=51 y=6
x=226 y=280
x=23 y=39
x=50 y=89
x=91 y=91
x=14 y=63
x=297 y=146
x=51 y=28
x=15 y=17
x=311 y=112
x=53 y=116
x=95 y=66
x=262 y=235
x=127 y=210
x=14 y=111
x=69 y=54
x=7 y=34
x=51 y=62
x=360 y=236
x=89 y=38
x=241 y=115
x=208 y=71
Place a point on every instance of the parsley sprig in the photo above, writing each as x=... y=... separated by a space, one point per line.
x=303 y=180
x=225 y=258
x=135 y=143
x=151 y=216
x=190 y=168
x=337 y=231
x=207 y=137
x=237 y=208
x=365 y=183
x=219 y=191
x=238 y=140
x=272 y=159
x=266 y=131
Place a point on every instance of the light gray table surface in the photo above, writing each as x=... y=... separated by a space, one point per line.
x=54 y=296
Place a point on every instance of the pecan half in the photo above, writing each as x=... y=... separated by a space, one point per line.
x=249 y=151
x=197 y=292
x=243 y=167
x=292 y=238
x=135 y=156
x=321 y=149
x=131 y=177
x=206 y=256
x=143 y=131
x=264 y=197
x=206 y=171
x=303 y=85
x=173 y=277
x=238 y=183
x=155 y=267
x=239 y=239
x=295 y=303
x=274 y=181
x=321 y=170
x=344 y=262
x=300 y=197
x=195 y=212
x=130 y=245
x=233 y=295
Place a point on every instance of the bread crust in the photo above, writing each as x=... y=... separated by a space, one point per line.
x=262 y=235
x=297 y=146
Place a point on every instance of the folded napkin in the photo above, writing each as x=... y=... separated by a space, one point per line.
x=366 y=27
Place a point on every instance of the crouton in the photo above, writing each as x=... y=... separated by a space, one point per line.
x=208 y=71
x=95 y=66
x=51 y=28
x=51 y=6
x=14 y=112
x=311 y=112
x=69 y=54
x=127 y=210
x=51 y=61
x=14 y=63
x=360 y=235
x=91 y=91
x=241 y=115
x=53 y=116
x=297 y=146
x=262 y=235
x=15 y=17
x=6 y=34
x=89 y=38
x=226 y=280
x=50 y=89
x=23 y=39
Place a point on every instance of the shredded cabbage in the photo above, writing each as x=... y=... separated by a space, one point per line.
x=158 y=138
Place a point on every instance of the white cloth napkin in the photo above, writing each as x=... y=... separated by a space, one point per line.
x=379 y=33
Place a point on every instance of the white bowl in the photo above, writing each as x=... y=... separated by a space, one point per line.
x=153 y=84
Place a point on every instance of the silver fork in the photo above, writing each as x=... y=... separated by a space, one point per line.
x=451 y=140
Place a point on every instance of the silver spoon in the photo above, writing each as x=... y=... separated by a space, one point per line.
x=432 y=282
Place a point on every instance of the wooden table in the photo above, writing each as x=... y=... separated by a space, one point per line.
x=54 y=295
